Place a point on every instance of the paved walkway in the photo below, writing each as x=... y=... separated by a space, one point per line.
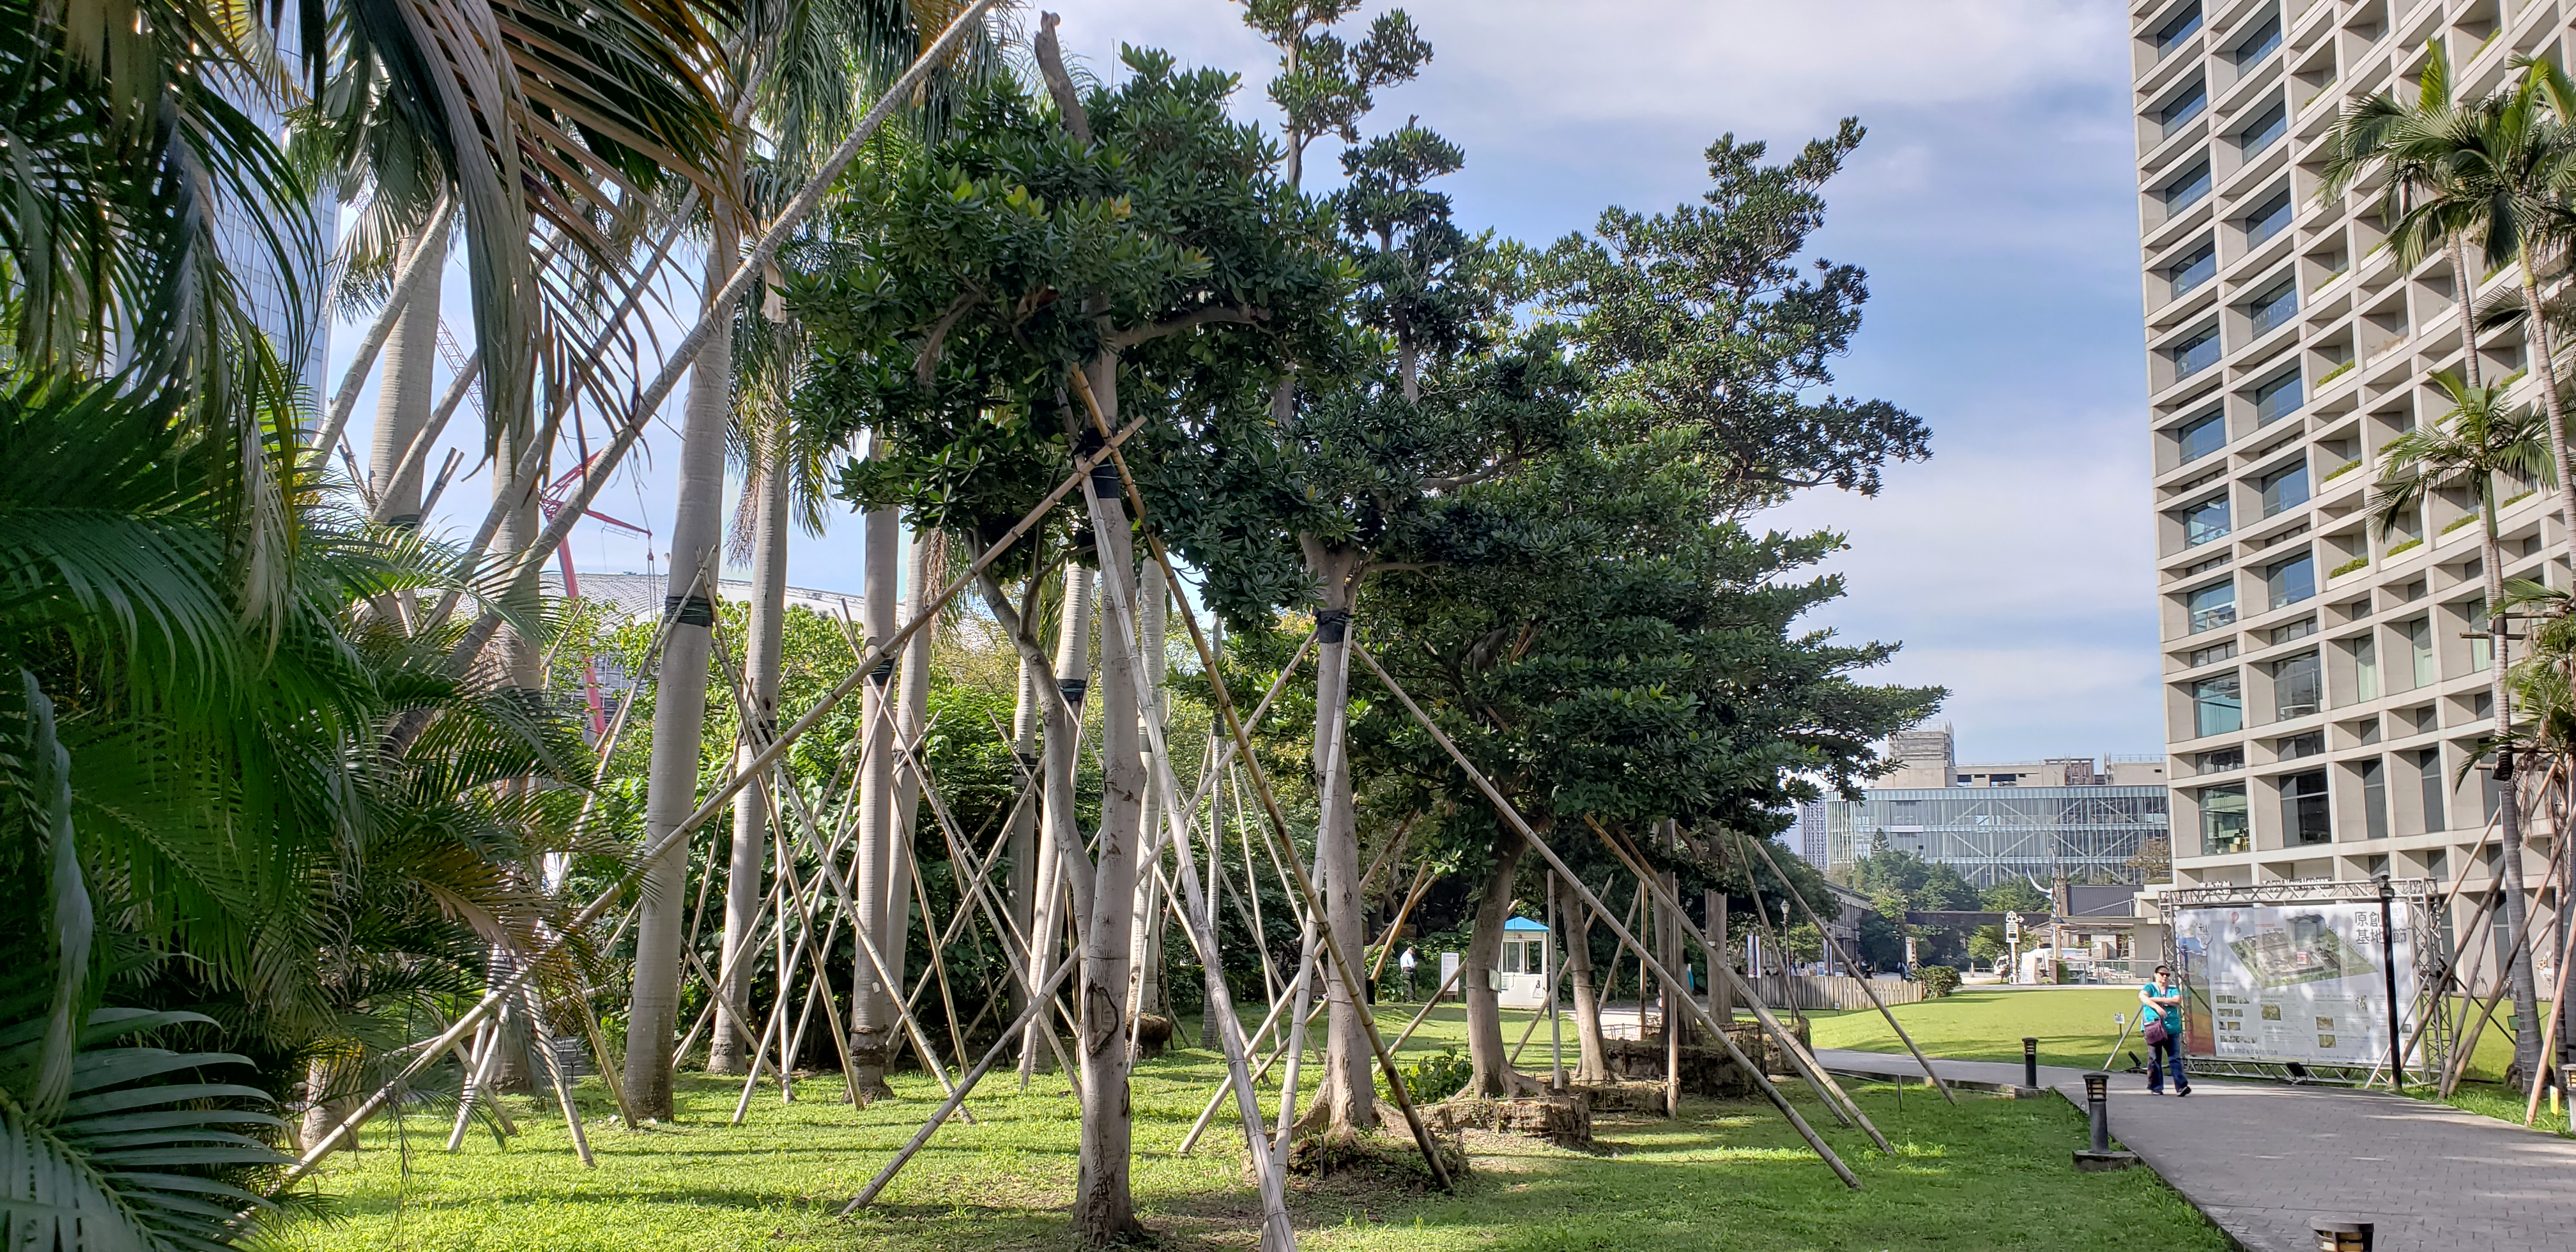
x=2264 y=1160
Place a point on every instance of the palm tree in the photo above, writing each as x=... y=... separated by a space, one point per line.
x=2414 y=146
x=2479 y=440
x=2501 y=167
x=802 y=79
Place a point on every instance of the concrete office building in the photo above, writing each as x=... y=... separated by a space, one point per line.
x=2320 y=698
x=2026 y=820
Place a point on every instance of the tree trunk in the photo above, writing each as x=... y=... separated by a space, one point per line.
x=1489 y=1060
x=2465 y=287
x=1721 y=989
x=872 y=1018
x=1103 y=1208
x=726 y=1053
x=2526 y=1004
x=2548 y=370
x=1145 y=940
x=1020 y=833
x=679 y=709
x=1213 y=974
x=924 y=575
x=403 y=400
x=1059 y=834
x=1347 y=1089
x=1593 y=1066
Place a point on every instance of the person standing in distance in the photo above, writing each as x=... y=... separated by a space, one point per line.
x=2161 y=1009
x=1405 y=963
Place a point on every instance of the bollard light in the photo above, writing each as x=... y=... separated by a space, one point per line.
x=2344 y=1236
x=2097 y=1106
x=2029 y=1061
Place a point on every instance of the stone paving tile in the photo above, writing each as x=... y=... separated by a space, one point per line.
x=2265 y=1160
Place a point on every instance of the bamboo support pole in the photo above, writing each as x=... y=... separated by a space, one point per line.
x=1216 y=1098
x=478 y=1077
x=1511 y=815
x=315 y=1155
x=1809 y=1067
x=1037 y=1002
x=1929 y=1073
x=2549 y=1033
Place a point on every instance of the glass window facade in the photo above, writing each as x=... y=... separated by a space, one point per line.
x=2365 y=669
x=2196 y=267
x=2187 y=189
x=2274 y=307
x=2268 y=219
x=2374 y=798
x=2264 y=130
x=2304 y=819
x=2181 y=26
x=2204 y=521
x=2212 y=606
x=2197 y=353
x=2277 y=397
x=2287 y=489
x=2298 y=687
x=2217 y=705
x=2261 y=42
x=2291 y=581
x=1993 y=835
x=2223 y=827
x=2202 y=436
x=2419 y=642
x=2428 y=773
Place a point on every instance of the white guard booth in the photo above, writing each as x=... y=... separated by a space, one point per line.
x=1526 y=965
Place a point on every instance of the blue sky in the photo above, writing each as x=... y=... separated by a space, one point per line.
x=1992 y=205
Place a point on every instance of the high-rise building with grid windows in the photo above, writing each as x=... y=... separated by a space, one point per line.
x=2321 y=696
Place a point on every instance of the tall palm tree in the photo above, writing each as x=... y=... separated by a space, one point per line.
x=2464 y=452
x=2414 y=146
x=801 y=61
x=2501 y=167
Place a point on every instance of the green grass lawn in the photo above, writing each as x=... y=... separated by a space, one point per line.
x=1990 y=1173
x=2074 y=1026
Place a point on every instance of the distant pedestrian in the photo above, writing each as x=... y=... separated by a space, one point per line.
x=1405 y=963
x=2160 y=1021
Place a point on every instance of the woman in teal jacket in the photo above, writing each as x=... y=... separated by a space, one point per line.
x=2161 y=1018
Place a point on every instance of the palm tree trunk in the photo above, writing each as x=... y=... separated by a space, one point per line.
x=2526 y=1002
x=1347 y=1090
x=761 y=660
x=2543 y=363
x=1103 y=1206
x=402 y=400
x=1576 y=918
x=1059 y=833
x=1488 y=1060
x=679 y=708
x=924 y=575
x=872 y=1018
x=2465 y=287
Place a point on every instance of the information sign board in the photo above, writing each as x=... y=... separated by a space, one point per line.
x=2301 y=981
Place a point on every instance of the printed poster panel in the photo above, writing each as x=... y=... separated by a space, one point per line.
x=2292 y=982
